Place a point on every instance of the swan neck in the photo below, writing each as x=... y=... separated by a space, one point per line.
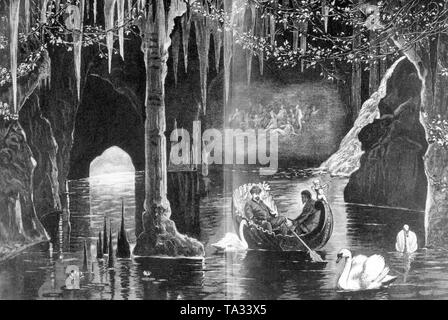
x=346 y=271
x=241 y=234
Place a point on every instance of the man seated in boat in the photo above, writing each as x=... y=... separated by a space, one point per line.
x=260 y=214
x=309 y=218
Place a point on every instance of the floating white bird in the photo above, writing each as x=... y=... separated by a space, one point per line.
x=146 y=273
x=406 y=241
x=231 y=242
x=363 y=273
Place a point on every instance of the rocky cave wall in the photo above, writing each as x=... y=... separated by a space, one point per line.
x=391 y=169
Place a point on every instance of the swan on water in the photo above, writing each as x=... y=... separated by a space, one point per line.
x=363 y=273
x=231 y=242
x=406 y=241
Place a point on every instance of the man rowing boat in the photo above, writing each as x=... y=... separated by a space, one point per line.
x=259 y=213
x=308 y=219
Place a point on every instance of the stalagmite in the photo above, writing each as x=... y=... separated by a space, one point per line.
x=186 y=26
x=120 y=7
x=123 y=248
x=105 y=240
x=325 y=13
x=13 y=46
x=175 y=44
x=110 y=260
x=99 y=247
x=159 y=235
x=109 y=9
x=202 y=29
x=84 y=260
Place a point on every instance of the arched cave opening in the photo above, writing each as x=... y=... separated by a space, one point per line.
x=105 y=119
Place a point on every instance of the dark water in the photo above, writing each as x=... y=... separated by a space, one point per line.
x=39 y=273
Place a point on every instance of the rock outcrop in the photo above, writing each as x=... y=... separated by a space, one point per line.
x=161 y=238
x=19 y=224
x=44 y=148
x=391 y=171
x=346 y=160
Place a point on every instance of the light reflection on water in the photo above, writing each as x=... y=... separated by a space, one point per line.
x=249 y=275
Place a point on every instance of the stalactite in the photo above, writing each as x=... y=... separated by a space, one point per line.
x=27 y=16
x=186 y=26
x=175 y=44
x=88 y=8
x=109 y=6
x=228 y=50
x=272 y=28
x=217 y=41
x=74 y=22
x=259 y=21
x=295 y=36
x=325 y=13
x=120 y=7
x=95 y=8
x=303 y=26
x=43 y=11
x=286 y=4
x=13 y=46
x=250 y=25
x=78 y=48
x=202 y=29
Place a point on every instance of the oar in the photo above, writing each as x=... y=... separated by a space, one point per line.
x=313 y=254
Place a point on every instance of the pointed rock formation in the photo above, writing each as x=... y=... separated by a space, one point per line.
x=110 y=260
x=99 y=247
x=123 y=248
x=105 y=240
x=85 y=260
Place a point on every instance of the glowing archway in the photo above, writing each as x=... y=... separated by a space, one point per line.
x=112 y=160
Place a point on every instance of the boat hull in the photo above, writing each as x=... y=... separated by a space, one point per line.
x=259 y=239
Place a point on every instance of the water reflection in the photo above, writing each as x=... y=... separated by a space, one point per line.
x=39 y=274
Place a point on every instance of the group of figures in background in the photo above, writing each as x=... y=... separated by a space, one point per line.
x=281 y=118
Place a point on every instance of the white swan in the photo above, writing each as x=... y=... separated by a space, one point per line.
x=231 y=242
x=363 y=273
x=406 y=241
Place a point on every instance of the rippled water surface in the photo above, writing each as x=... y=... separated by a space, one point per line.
x=39 y=273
